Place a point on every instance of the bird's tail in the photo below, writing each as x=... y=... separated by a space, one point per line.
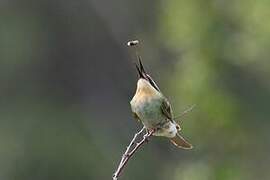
x=180 y=142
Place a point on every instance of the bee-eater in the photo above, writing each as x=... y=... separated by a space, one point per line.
x=152 y=108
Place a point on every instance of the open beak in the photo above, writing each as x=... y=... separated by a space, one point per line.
x=141 y=70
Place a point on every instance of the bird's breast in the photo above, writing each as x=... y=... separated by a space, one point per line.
x=148 y=109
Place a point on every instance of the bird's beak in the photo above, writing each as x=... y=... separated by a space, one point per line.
x=139 y=72
x=140 y=69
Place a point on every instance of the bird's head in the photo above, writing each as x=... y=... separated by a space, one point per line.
x=144 y=78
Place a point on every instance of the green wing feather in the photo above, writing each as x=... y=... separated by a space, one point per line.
x=166 y=109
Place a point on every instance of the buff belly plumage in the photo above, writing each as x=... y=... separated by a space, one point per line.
x=149 y=112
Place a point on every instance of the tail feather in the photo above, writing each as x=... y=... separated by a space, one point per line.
x=180 y=142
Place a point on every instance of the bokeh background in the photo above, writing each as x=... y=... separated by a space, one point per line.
x=67 y=77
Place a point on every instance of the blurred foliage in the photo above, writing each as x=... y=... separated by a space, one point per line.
x=223 y=50
x=67 y=79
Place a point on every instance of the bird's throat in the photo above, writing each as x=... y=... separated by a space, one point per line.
x=144 y=88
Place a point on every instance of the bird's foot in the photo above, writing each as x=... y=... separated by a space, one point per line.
x=149 y=132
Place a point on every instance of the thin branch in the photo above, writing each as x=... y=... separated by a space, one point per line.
x=132 y=142
x=130 y=152
x=185 y=112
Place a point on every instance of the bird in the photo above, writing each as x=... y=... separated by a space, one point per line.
x=150 y=107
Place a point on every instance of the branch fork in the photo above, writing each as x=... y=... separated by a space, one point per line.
x=131 y=151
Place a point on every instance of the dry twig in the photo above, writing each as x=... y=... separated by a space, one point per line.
x=129 y=152
x=185 y=112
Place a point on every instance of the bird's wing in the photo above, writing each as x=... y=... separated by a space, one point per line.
x=166 y=109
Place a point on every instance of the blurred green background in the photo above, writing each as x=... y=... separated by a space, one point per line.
x=67 y=78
